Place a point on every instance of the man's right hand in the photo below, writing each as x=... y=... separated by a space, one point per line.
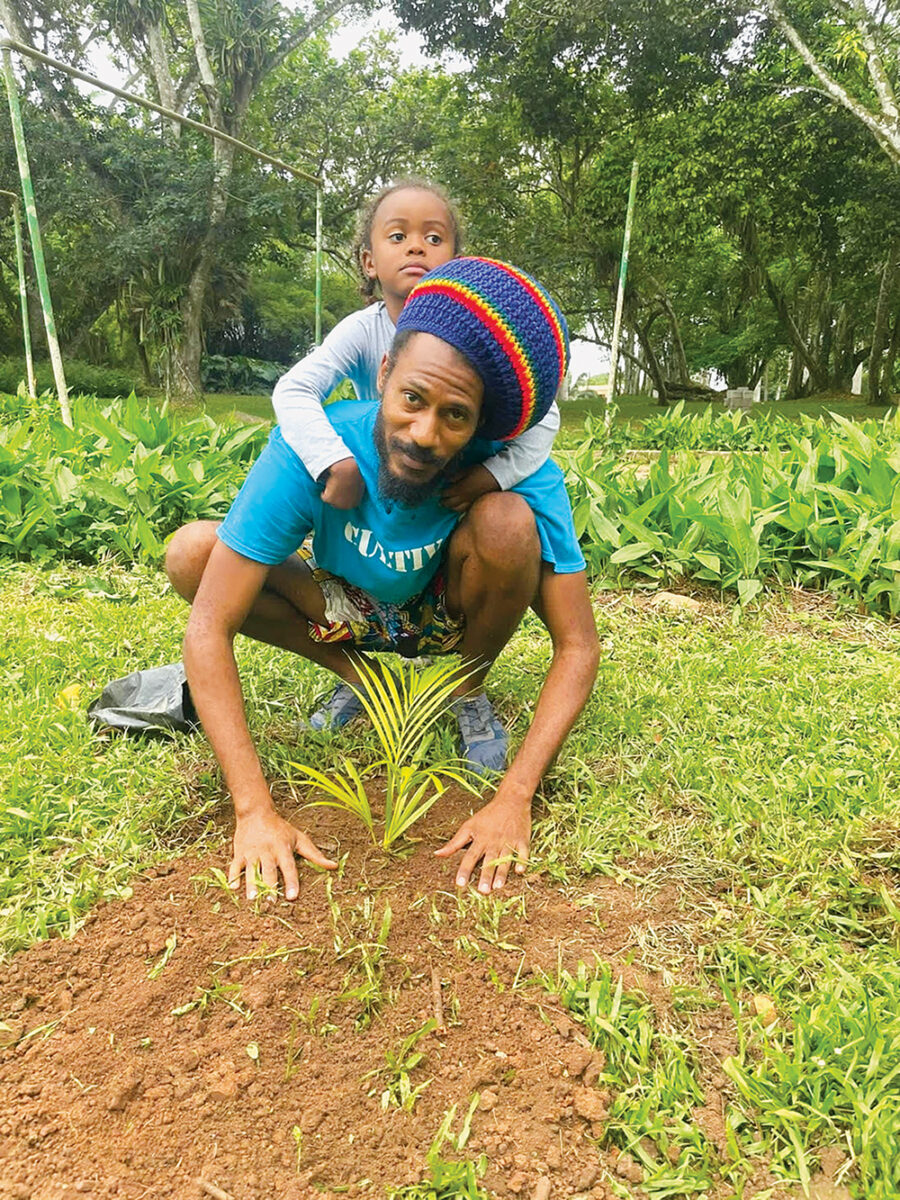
x=344 y=487
x=264 y=845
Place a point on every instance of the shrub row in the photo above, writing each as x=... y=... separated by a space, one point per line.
x=238 y=373
x=118 y=483
x=80 y=377
x=820 y=509
x=710 y=429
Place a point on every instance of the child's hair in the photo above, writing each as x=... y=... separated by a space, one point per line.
x=363 y=239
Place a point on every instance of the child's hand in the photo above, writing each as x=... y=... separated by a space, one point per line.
x=466 y=488
x=344 y=487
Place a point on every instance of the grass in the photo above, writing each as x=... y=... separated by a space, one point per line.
x=224 y=404
x=748 y=760
x=573 y=412
x=633 y=409
x=81 y=813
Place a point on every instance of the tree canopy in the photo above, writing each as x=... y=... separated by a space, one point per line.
x=767 y=232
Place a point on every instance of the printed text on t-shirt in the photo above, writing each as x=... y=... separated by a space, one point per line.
x=397 y=560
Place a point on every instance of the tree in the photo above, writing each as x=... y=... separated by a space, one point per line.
x=762 y=216
x=853 y=51
x=864 y=41
x=219 y=57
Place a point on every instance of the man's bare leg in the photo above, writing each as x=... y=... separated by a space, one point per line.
x=279 y=616
x=493 y=573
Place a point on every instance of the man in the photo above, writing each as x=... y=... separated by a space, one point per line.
x=480 y=350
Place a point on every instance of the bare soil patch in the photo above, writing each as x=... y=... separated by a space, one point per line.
x=110 y=1086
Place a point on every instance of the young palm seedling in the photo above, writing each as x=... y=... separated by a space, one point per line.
x=404 y=705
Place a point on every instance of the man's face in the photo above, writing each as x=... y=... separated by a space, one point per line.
x=430 y=406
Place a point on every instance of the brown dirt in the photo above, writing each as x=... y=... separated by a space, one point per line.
x=106 y=1092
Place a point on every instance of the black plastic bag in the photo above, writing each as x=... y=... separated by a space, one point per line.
x=153 y=701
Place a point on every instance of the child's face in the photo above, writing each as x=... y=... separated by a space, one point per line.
x=411 y=233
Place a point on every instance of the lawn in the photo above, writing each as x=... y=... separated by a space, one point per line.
x=573 y=412
x=724 y=818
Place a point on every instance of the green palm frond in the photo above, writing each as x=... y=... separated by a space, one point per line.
x=345 y=791
x=404 y=706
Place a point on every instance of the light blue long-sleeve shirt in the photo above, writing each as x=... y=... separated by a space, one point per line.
x=353 y=350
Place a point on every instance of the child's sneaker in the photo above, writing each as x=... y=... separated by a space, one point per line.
x=484 y=740
x=338 y=710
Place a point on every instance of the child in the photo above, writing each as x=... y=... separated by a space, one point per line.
x=407 y=229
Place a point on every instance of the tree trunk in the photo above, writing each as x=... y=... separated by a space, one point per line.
x=890 y=396
x=802 y=356
x=188 y=349
x=653 y=367
x=842 y=361
x=678 y=346
x=825 y=340
x=880 y=331
x=795 y=385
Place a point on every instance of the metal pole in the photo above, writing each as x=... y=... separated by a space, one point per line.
x=34 y=232
x=620 y=296
x=23 y=292
x=319 y=265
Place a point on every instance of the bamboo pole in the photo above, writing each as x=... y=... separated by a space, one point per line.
x=30 y=52
x=319 y=265
x=34 y=232
x=620 y=295
x=23 y=292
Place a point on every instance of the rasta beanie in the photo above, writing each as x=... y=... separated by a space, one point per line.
x=508 y=328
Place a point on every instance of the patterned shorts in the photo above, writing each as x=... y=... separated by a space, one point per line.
x=420 y=625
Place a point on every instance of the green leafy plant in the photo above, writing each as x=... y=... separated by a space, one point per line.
x=404 y=705
x=238 y=373
x=449 y=1179
x=398 y=1087
x=815 y=504
x=118 y=483
x=83 y=377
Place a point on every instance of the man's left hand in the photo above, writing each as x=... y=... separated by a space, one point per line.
x=466 y=488
x=497 y=836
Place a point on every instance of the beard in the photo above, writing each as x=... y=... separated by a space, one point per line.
x=408 y=491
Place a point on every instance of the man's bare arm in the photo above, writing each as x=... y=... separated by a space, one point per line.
x=500 y=832
x=264 y=842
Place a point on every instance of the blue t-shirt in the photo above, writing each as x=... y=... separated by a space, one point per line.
x=388 y=549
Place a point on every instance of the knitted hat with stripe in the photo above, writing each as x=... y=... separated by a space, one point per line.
x=509 y=329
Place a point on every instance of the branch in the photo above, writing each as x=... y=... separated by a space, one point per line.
x=92 y=33
x=185 y=89
x=889 y=140
x=162 y=74
x=608 y=346
x=126 y=86
x=207 y=79
x=16 y=29
x=299 y=36
x=879 y=76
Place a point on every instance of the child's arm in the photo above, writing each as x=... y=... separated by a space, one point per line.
x=298 y=398
x=516 y=461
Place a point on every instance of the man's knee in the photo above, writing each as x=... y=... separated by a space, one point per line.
x=187 y=554
x=502 y=533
